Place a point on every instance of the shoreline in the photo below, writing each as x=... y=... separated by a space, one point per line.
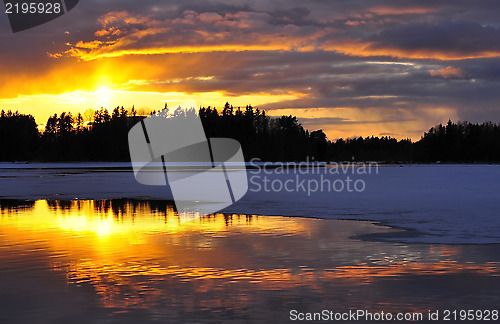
x=433 y=204
x=382 y=232
x=5 y=165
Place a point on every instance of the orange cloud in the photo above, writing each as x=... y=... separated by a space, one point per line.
x=362 y=48
x=401 y=11
x=108 y=32
x=55 y=55
x=448 y=72
x=89 y=45
x=124 y=34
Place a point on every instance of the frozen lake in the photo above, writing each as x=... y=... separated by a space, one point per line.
x=85 y=243
x=132 y=261
x=436 y=203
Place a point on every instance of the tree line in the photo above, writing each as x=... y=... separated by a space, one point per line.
x=105 y=138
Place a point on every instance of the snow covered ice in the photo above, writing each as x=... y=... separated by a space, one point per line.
x=455 y=204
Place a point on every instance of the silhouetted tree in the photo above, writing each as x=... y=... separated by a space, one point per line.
x=104 y=138
x=19 y=137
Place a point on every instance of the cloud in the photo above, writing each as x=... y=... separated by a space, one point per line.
x=359 y=28
x=125 y=33
x=55 y=56
x=452 y=39
x=89 y=45
x=448 y=72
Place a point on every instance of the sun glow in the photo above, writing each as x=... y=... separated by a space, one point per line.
x=108 y=96
x=104 y=96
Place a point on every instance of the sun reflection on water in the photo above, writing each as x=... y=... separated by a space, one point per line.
x=140 y=255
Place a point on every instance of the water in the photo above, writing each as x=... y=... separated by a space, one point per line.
x=131 y=261
x=452 y=204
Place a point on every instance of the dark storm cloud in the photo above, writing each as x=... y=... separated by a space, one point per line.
x=448 y=36
x=485 y=69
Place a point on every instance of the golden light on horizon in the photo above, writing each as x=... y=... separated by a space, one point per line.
x=104 y=96
x=108 y=96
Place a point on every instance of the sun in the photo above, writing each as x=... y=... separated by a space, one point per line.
x=104 y=96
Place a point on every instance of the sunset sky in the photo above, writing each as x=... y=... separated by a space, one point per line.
x=351 y=68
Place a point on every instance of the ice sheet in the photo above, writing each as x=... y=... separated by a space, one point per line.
x=441 y=203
